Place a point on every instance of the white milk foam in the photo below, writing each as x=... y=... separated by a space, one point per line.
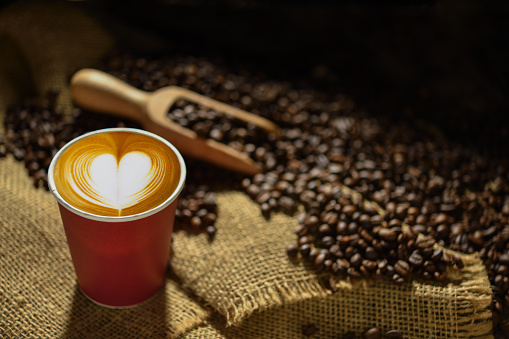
x=117 y=186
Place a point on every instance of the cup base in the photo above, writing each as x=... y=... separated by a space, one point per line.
x=114 y=307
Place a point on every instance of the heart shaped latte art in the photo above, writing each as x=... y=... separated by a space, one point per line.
x=117 y=173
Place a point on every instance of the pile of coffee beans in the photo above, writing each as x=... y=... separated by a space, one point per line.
x=421 y=182
x=343 y=236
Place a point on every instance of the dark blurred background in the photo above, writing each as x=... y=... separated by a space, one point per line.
x=442 y=62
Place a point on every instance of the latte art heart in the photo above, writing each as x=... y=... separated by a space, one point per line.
x=116 y=185
x=117 y=173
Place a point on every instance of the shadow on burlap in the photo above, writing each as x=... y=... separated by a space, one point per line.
x=239 y=285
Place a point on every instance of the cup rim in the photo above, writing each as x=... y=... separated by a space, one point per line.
x=53 y=189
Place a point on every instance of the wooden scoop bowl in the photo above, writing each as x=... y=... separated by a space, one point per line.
x=101 y=92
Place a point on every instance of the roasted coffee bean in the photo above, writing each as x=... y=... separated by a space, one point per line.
x=328 y=263
x=330 y=218
x=370 y=265
x=325 y=230
x=309 y=330
x=211 y=231
x=353 y=228
x=292 y=250
x=319 y=262
x=504 y=259
x=402 y=268
x=330 y=284
x=304 y=240
x=349 y=252
x=372 y=333
x=196 y=223
x=376 y=220
x=336 y=251
x=416 y=259
x=387 y=234
x=371 y=253
x=328 y=241
x=398 y=279
x=425 y=242
x=301 y=230
x=429 y=266
x=352 y=272
x=265 y=209
x=209 y=219
x=253 y=190
x=349 y=210
x=287 y=204
x=263 y=197
x=402 y=251
x=366 y=235
x=305 y=250
x=393 y=334
x=313 y=253
x=337 y=269
x=313 y=221
x=364 y=272
x=356 y=260
x=343 y=263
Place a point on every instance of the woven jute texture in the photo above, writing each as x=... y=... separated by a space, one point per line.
x=354 y=308
x=240 y=285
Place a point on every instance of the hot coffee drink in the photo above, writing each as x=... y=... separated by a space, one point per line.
x=117 y=193
x=117 y=173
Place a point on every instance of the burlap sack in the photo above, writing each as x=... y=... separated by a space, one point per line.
x=246 y=276
x=240 y=285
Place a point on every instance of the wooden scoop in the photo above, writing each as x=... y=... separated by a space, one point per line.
x=101 y=92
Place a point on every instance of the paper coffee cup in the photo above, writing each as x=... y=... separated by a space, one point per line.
x=120 y=261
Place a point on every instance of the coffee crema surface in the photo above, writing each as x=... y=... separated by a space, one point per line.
x=117 y=173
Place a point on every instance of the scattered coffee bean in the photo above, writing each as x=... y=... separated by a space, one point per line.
x=402 y=268
x=292 y=250
x=309 y=330
x=211 y=231
x=387 y=234
x=393 y=334
x=372 y=333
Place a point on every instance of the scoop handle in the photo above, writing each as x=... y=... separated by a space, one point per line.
x=98 y=91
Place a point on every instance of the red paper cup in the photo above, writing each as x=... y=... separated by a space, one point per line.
x=119 y=261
